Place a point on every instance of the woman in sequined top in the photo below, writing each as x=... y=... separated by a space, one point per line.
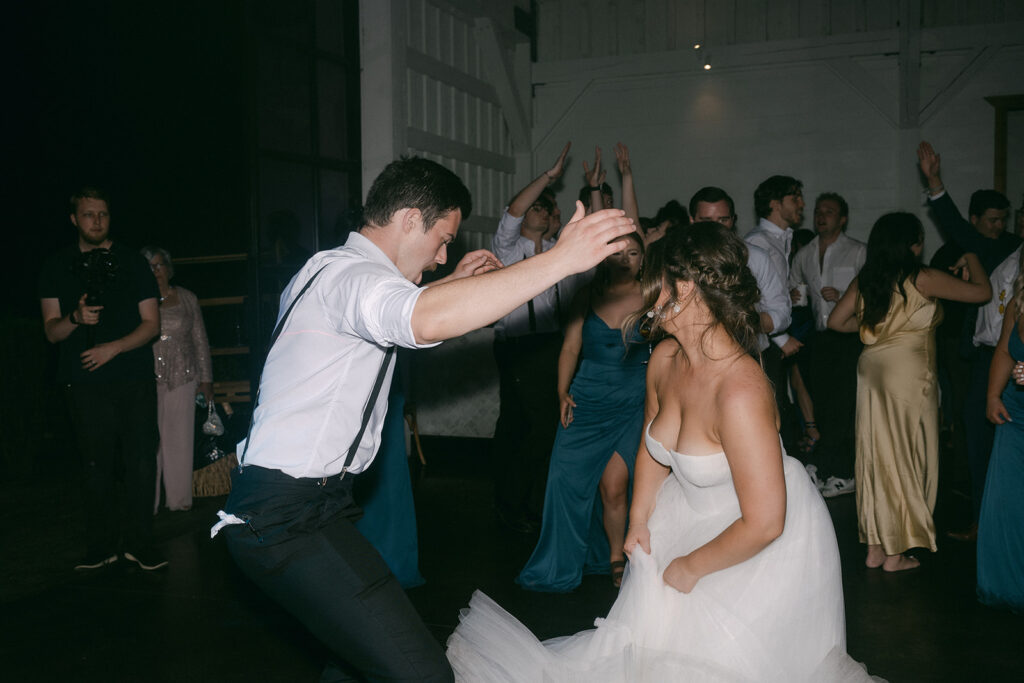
x=183 y=369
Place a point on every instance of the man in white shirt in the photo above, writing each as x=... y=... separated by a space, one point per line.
x=779 y=205
x=714 y=204
x=527 y=342
x=319 y=409
x=990 y=315
x=824 y=269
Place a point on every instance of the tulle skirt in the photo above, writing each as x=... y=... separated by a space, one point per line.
x=775 y=617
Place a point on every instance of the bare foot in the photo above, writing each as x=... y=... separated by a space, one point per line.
x=876 y=557
x=900 y=563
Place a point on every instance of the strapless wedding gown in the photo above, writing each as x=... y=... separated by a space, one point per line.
x=775 y=617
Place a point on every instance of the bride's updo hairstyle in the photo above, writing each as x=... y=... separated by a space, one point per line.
x=714 y=259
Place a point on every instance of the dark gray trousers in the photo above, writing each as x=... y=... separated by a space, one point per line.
x=301 y=548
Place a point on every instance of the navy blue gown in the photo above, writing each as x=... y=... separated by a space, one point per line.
x=1001 y=525
x=608 y=418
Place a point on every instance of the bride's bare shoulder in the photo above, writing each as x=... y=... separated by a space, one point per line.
x=745 y=387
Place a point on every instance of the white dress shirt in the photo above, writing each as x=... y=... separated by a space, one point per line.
x=320 y=373
x=511 y=247
x=775 y=299
x=843 y=260
x=775 y=242
x=990 y=316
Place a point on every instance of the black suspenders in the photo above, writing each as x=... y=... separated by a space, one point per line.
x=367 y=409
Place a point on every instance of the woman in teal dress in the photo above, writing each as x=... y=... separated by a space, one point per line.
x=1001 y=524
x=384 y=492
x=585 y=504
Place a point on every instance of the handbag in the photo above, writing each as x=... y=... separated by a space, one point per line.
x=213 y=426
x=209 y=448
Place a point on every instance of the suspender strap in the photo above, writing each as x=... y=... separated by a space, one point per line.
x=368 y=410
x=273 y=340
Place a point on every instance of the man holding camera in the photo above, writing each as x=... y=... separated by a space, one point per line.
x=100 y=304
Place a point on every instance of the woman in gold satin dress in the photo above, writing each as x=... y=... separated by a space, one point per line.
x=894 y=305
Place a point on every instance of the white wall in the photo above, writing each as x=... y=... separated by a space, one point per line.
x=733 y=127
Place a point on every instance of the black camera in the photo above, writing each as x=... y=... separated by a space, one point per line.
x=96 y=269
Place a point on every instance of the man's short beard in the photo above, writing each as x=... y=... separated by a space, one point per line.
x=96 y=242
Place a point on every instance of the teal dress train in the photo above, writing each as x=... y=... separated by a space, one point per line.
x=1001 y=524
x=608 y=418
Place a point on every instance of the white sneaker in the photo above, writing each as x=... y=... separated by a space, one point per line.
x=837 y=487
x=95 y=563
x=812 y=471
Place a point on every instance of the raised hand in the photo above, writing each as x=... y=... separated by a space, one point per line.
x=622 y=158
x=595 y=176
x=555 y=172
x=587 y=239
x=930 y=163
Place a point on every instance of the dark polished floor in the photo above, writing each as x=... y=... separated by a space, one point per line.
x=199 y=620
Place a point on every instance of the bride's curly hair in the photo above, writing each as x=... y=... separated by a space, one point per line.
x=714 y=259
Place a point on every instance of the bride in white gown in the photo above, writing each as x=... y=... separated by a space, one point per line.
x=734 y=570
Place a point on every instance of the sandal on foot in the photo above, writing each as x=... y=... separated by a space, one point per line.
x=618 y=569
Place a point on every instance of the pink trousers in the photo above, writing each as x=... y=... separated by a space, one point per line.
x=175 y=410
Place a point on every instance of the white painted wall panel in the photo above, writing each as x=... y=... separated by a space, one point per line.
x=572 y=29
x=735 y=127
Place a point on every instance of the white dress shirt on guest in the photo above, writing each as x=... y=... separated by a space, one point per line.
x=321 y=371
x=775 y=299
x=990 y=316
x=511 y=247
x=843 y=260
x=775 y=242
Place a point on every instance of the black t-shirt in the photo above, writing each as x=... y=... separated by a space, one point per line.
x=119 y=285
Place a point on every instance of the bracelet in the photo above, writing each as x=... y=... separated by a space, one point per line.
x=931 y=192
x=594 y=188
x=810 y=425
x=71 y=319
